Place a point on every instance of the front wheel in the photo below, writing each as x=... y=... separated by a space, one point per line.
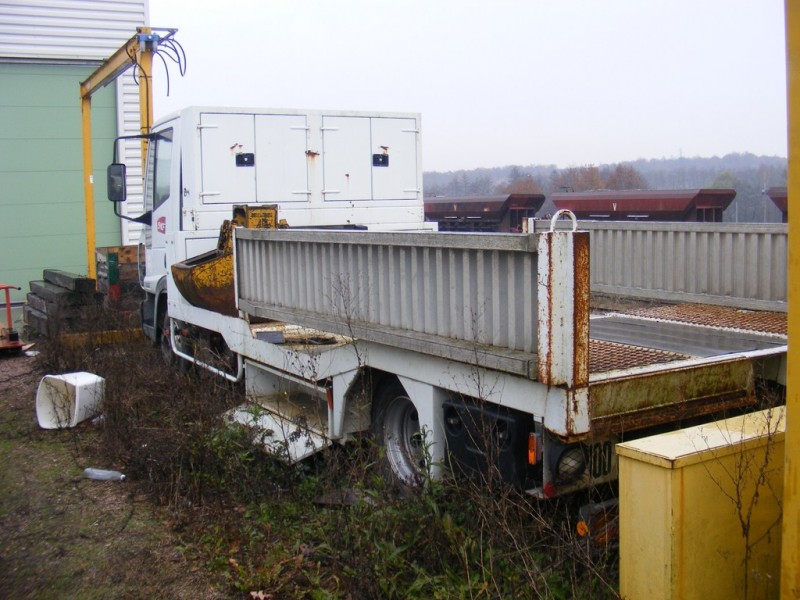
x=395 y=424
x=165 y=341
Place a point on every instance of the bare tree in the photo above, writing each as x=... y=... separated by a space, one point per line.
x=577 y=179
x=625 y=177
x=525 y=184
x=747 y=480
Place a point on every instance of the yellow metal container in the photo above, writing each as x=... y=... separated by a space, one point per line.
x=206 y=281
x=685 y=498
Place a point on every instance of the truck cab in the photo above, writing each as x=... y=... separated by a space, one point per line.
x=322 y=169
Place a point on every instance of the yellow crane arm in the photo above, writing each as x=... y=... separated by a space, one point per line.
x=139 y=51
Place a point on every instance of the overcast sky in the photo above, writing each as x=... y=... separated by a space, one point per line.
x=501 y=82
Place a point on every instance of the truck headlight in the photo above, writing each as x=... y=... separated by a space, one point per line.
x=571 y=463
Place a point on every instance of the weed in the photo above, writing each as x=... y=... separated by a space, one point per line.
x=260 y=526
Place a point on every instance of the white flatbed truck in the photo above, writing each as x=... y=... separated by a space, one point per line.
x=472 y=350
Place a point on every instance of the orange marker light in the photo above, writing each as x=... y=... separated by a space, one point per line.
x=532 y=449
x=583 y=528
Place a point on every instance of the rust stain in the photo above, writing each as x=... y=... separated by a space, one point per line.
x=675 y=413
x=717 y=316
x=544 y=366
x=637 y=401
x=576 y=322
x=610 y=356
x=580 y=317
x=311 y=154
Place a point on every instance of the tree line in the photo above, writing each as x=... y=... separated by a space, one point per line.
x=750 y=175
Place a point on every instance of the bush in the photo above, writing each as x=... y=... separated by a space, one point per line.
x=329 y=527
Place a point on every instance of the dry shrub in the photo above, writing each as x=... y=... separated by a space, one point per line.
x=263 y=528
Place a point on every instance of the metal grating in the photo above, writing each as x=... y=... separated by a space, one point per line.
x=609 y=356
x=717 y=316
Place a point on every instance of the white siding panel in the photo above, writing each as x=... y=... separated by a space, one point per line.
x=67 y=29
x=130 y=154
x=84 y=30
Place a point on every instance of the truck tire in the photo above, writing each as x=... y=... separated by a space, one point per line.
x=164 y=341
x=396 y=429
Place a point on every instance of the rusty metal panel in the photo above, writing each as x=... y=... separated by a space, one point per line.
x=741 y=265
x=473 y=298
x=610 y=356
x=564 y=309
x=717 y=316
x=642 y=399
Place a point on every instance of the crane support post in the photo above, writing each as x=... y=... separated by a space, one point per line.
x=88 y=183
x=130 y=53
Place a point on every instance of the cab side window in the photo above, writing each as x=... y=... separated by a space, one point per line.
x=159 y=163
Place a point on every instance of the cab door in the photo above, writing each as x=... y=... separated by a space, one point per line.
x=161 y=183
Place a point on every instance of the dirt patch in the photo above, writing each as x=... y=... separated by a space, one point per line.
x=62 y=534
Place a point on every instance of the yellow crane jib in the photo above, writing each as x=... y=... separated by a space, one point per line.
x=139 y=51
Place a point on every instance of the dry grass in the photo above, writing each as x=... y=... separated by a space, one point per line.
x=227 y=512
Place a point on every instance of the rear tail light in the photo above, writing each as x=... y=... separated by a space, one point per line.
x=534 y=448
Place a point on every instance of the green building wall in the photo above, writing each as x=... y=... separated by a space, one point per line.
x=42 y=218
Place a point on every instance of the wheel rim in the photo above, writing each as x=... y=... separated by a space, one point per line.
x=403 y=440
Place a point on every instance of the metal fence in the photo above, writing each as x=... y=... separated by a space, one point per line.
x=740 y=265
x=436 y=292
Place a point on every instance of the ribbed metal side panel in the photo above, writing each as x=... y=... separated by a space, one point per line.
x=474 y=289
x=738 y=265
x=67 y=30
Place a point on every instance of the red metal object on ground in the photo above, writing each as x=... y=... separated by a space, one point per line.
x=9 y=338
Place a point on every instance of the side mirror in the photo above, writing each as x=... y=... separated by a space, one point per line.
x=115 y=177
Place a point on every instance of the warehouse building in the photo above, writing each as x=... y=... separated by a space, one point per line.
x=47 y=48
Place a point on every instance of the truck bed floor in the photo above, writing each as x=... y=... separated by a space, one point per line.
x=656 y=335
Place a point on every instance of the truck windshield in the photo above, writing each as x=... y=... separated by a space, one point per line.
x=159 y=161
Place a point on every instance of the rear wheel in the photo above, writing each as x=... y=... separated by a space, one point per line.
x=165 y=341
x=396 y=426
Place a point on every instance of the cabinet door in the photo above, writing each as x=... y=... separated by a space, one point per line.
x=281 y=161
x=227 y=146
x=394 y=177
x=347 y=160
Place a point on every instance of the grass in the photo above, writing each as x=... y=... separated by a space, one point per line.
x=64 y=535
x=260 y=528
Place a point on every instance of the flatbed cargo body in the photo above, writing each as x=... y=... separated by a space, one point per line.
x=669 y=363
x=474 y=352
x=643 y=370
